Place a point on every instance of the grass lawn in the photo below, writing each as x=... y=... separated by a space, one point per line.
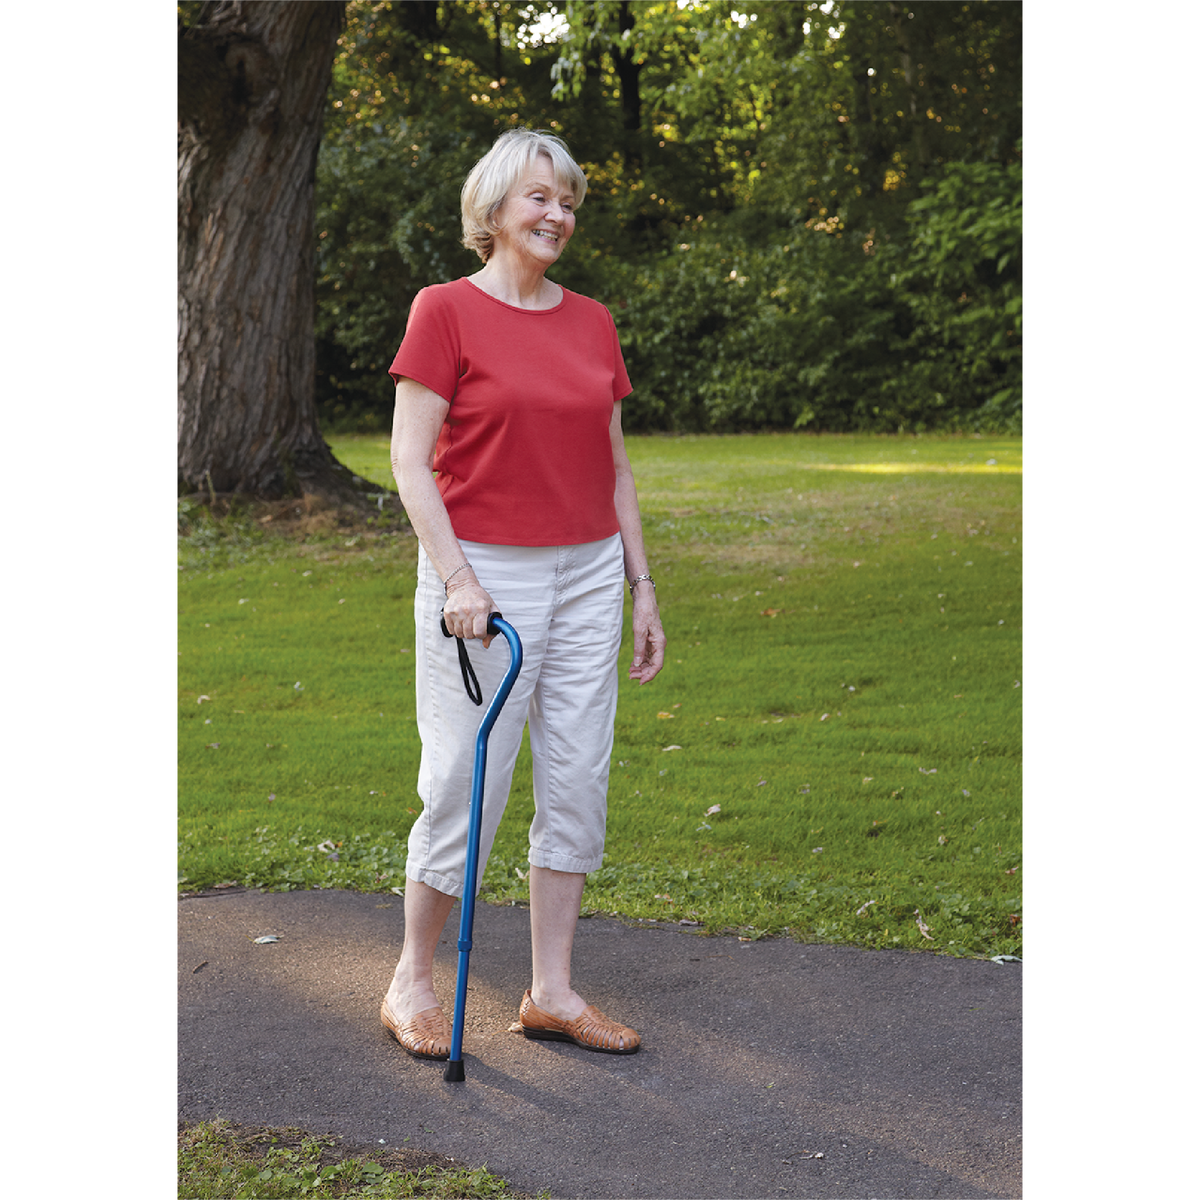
x=833 y=747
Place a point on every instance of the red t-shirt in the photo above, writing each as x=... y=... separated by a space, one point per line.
x=525 y=457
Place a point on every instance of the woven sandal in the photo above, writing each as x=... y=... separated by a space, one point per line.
x=427 y=1035
x=591 y=1029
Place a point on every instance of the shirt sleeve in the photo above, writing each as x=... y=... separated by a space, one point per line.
x=431 y=350
x=621 y=384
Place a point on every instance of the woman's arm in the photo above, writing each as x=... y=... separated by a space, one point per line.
x=416 y=424
x=649 y=641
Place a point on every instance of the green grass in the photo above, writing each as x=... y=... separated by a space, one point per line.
x=843 y=681
x=217 y=1159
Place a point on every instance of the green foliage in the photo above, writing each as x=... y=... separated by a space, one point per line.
x=855 y=163
x=831 y=331
x=842 y=682
x=961 y=279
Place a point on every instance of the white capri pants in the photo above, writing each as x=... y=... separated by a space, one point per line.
x=566 y=604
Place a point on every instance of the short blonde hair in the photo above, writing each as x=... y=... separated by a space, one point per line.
x=500 y=170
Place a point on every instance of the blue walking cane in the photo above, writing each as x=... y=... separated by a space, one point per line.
x=496 y=624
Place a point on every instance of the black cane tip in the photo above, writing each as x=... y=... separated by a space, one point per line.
x=454 y=1071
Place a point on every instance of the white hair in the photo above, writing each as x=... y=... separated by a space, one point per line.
x=501 y=169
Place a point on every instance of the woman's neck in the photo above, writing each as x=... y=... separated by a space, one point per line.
x=521 y=289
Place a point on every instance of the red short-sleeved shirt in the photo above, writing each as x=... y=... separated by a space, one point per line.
x=525 y=457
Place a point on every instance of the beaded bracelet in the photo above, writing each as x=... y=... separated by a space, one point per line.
x=453 y=573
x=634 y=582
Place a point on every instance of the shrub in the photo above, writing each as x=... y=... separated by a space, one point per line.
x=825 y=330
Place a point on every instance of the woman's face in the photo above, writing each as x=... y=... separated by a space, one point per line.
x=537 y=217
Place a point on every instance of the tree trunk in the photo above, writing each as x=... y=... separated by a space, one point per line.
x=911 y=68
x=252 y=81
x=629 y=74
x=872 y=154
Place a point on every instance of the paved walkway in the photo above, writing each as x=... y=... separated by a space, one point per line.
x=767 y=1068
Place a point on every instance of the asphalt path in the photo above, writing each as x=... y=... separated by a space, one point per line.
x=767 y=1068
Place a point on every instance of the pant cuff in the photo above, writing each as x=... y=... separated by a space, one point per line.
x=565 y=862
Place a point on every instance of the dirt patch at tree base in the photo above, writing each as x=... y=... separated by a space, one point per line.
x=309 y=513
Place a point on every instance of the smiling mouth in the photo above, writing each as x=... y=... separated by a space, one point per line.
x=545 y=235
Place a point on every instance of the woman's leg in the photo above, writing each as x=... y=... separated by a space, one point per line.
x=554 y=899
x=552 y=1009
x=570 y=734
x=425 y=913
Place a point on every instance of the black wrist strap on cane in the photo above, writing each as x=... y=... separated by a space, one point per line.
x=470 y=679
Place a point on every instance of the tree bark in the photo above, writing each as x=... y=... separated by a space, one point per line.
x=253 y=75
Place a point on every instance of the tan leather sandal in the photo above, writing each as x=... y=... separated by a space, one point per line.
x=427 y=1035
x=591 y=1029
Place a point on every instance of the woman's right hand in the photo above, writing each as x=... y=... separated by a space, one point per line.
x=468 y=607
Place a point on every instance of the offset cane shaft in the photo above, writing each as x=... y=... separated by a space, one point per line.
x=496 y=624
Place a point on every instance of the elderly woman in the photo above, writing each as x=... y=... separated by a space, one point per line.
x=508 y=453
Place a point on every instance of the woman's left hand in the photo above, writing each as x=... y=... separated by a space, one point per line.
x=649 y=641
